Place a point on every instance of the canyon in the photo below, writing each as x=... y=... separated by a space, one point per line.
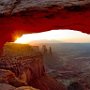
x=24 y=68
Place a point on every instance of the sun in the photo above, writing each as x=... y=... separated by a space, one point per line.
x=22 y=40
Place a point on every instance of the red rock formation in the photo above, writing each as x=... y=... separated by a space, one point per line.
x=32 y=72
x=29 y=69
x=6 y=76
x=75 y=17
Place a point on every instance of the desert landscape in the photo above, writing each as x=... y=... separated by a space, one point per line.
x=69 y=62
x=57 y=66
x=33 y=59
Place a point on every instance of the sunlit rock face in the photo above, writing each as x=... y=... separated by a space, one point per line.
x=25 y=69
x=25 y=58
x=15 y=49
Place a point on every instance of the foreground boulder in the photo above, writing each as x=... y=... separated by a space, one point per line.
x=6 y=76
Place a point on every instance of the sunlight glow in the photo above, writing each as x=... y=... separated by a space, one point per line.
x=55 y=35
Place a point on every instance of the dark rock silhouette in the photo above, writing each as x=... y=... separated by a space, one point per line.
x=44 y=49
x=50 y=51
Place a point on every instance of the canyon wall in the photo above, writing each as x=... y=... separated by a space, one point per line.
x=25 y=70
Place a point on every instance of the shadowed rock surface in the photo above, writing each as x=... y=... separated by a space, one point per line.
x=75 y=86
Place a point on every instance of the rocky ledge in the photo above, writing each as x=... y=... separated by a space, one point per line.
x=17 y=71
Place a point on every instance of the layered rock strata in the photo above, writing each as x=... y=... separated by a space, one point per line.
x=20 y=70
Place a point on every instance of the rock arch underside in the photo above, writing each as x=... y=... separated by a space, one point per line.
x=18 y=17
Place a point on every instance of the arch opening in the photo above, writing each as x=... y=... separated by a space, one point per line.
x=55 y=36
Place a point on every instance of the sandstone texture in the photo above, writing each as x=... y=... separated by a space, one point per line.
x=26 y=70
x=9 y=7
